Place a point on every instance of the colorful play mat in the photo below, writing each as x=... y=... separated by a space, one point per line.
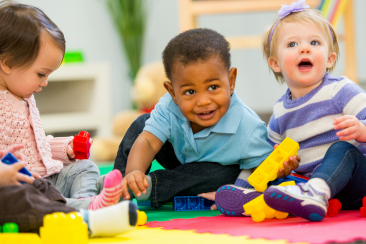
x=167 y=226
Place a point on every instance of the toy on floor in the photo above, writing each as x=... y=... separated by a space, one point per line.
x=259 y=210
x=363 y=208
x=334 y=207
x=141 y=218
x=81 y=145
x=11 y=235
x=292 y=177
x=59 y=228
x=191 y=203
x=267 y=170
x=10 y=159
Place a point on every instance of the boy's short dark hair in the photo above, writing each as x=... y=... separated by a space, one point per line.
x=21 y=26
x=195 y=45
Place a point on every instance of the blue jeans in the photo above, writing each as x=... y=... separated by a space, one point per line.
x=75 y=181
x=178 y=179
x=344 y=170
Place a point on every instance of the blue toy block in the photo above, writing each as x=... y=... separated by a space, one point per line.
x=192 y=203
x=10 y=159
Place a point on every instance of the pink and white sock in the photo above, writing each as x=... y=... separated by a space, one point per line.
x=111 y=192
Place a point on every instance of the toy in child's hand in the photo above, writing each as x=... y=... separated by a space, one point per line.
x=10 y=159
x=81 y=145
x=267 y=170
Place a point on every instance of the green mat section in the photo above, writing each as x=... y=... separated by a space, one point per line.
x=166 y=213
x=105 y=168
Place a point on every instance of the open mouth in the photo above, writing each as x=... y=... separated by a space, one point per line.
x=305 y=65
x=206 y=114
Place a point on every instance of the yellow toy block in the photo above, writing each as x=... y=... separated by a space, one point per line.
x=60 y=228
x=259 y=210
x=23 y=238
x=267 y=170
x=141 y=218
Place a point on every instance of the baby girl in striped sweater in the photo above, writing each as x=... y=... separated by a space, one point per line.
x=31 y=48
x=324 y=113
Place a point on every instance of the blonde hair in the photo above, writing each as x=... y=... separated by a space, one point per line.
x=305 y=16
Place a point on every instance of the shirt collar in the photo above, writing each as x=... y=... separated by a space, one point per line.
x=228 y=124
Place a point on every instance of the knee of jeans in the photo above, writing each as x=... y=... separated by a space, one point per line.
x=85 y=165
x=342 y=146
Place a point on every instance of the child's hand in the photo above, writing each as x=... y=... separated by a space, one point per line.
x=9 y=174
x=209 y=196
x=15 y=151
x=351 y=127
x=136 y=181
x=70 y=149
x=289 y=166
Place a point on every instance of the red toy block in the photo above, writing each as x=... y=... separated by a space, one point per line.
x=81 y=145
x=363 y=208
x=363 y=211
x=334 y=207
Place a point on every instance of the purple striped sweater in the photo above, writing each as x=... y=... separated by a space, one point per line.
x=308 y=120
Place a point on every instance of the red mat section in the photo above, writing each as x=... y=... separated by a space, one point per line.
x=347 y=226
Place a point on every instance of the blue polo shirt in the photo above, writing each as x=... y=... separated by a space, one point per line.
x=239 y=137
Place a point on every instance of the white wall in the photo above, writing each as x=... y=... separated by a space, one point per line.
x=88 y=27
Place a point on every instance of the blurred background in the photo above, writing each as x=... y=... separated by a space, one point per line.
x=90 y=91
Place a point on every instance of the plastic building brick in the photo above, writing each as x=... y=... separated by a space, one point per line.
x=81 y=145
x=193 y=203
x=10 y=159
x=11 y=235
x=141 y=218
x=267 y=170
x=10 y=228
x=59 y=228
x=334 y=207
x=259 y=210
x=363 y=208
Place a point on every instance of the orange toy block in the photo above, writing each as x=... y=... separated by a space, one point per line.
x=259 y=210
x=363 y=208
x=334 y=207
x=267 y=170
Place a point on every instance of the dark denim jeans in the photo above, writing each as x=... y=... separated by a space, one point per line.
x=178 y=179
x=344 y=169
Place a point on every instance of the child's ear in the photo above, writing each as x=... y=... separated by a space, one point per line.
x=169 y=87
x=331 y=59
x=232 y=79
x=274 y=65
x=4 y=67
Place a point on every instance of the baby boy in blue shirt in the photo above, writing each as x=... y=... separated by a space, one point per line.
x=200 y=131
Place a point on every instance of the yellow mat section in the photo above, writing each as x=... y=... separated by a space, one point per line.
x=145 y=235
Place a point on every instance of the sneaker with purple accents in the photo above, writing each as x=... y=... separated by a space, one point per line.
x=300 y=200
x=230 y=199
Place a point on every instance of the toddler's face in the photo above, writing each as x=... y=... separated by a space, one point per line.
x=202 y=91
x=302 y=55
x=23 y=82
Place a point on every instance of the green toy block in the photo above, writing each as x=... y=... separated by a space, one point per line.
x=10 y=228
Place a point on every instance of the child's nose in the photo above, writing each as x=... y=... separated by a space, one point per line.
x=45 y=82
x=203 y=100
x=305 y=49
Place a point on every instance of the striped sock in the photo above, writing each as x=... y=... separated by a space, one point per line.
x=111 y=191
